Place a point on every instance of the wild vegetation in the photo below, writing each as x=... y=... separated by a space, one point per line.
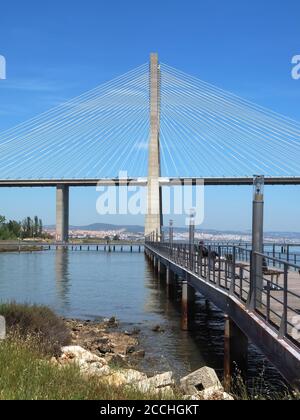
x=36 y=334
x=260 y=390
x=28 y=228
x=25 y=374
x=49 y=332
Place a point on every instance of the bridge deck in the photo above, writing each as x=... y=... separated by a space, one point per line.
x=142 y=181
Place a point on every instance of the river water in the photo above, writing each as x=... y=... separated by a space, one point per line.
x=92 y=285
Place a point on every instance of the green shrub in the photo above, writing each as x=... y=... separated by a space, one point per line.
x=39 y=323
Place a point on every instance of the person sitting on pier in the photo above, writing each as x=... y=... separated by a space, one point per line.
x=205 y=253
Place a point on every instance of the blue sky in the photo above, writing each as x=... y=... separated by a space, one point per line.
x=59 y=49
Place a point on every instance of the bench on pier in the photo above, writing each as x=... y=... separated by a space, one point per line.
x=272 y=272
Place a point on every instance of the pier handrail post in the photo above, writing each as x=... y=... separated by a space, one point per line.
x=233 y=271
x=171 y=231
x=220 y=263
x=257 y=237
x=191 y=237
x=252 y=295
x=284 y=319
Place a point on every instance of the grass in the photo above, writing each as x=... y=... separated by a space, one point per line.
x=35 y=334
x=38 y=322
x=26 y=375
x=260 y=390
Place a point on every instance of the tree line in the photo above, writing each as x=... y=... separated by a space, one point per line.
x=28 y=228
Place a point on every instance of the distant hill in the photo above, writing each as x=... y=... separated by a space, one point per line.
x=105 y=227
x=140 y=229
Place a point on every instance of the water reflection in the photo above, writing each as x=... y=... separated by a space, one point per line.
x=62 y=276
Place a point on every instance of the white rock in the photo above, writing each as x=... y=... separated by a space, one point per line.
x=95 y=369
x=156 y=382
x=165 y=393
x=81 y=356
x=200 y=380
x=125 y=377
x=214 y=393
x=89 y=364
x=191 y=397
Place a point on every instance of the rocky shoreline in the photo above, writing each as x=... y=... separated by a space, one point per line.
x=102 y=349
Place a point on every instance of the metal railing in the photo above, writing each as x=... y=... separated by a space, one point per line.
x=280 y=251
x=264 y=284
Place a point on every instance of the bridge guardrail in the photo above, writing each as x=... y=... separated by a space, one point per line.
x=281 y=251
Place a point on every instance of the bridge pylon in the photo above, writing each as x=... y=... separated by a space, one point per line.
x=154 y=219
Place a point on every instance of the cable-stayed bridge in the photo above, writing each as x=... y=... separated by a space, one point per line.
x=159 y=125
x=163 y=127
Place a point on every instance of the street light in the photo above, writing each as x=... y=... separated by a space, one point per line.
x=257 y=238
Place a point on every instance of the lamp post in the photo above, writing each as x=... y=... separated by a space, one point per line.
x=257 y=239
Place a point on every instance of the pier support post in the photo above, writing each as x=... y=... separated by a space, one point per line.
x=257 y=242
x=155 y=262
x=159 y=268
x=169 y=282
x=187 y=299
x=235 y=352
x=62 y=213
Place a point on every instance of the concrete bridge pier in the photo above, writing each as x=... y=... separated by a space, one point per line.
x=235 y=352
x=62 y=213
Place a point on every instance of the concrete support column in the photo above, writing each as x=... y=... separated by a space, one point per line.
x=235 y=352
x=62 y=213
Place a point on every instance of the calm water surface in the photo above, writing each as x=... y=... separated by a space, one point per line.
x=92 y=285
